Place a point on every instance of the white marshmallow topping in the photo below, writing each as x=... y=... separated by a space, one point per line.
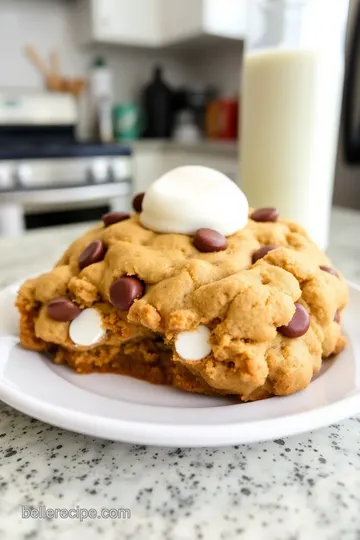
x=192 y=197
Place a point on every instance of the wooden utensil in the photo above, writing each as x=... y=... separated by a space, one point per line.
x=55 y=62
x=76 y=86
x=53 y=79
x=34 y=56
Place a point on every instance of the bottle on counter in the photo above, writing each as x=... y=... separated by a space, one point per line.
x=101 y=88
x=158 y=106
x=291 y=96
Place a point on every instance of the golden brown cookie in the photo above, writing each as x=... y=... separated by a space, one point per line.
x=267 y=303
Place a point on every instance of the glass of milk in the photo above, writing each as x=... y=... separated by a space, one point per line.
x=291 y=98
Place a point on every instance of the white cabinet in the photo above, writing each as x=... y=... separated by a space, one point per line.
x=223 y=163
x=225 y=18
x=151 y=159
x=127 y=22
x=182 y=20
x=148 y=164
x=159 y=23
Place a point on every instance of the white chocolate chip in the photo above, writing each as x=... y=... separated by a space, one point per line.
x=193 y=197
x=193 y=344
x=86 y=329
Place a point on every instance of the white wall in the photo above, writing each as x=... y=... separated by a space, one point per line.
x=49 y=24
x=45 y=24
x=219 y=65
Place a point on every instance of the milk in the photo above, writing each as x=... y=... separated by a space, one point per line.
x=290 y=119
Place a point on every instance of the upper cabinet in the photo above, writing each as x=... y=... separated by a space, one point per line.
x=127 y=22
x=191 y=20
x=159 y=23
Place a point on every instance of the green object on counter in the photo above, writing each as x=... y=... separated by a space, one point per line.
x=129 y=121
x=99 y=62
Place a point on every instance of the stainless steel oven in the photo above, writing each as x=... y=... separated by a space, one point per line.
x=47 y=177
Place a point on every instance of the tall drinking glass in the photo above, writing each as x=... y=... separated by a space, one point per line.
x=291 y=99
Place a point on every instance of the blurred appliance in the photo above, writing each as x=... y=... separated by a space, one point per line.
x=186 y=131
x=198 y=97
x=47 y=177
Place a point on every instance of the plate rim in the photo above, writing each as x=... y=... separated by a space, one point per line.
x=182 y=435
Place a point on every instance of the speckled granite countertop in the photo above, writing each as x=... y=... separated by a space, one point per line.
x=298 y=488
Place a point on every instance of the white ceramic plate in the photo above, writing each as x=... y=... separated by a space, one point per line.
x=125 y=409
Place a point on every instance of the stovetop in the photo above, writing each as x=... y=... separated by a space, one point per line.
x=41 y=149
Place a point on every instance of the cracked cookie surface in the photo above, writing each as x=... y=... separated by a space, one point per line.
x=241 y=303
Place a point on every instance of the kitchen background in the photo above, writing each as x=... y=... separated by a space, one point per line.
x=165 y=73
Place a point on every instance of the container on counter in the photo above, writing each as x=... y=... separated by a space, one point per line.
x=129 y=121
x=158 y=105
x=101 y=89
x=291 y=96
x=221 y=121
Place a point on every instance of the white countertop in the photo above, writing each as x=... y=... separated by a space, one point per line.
x=228 y=147
x=297 y=488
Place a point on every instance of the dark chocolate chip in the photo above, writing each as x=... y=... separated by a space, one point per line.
x=208 y=240
x=299 y=324
x=337 y=317
x=137 y=202
x=114 y=217
x=62 y=309
x=261 y=252
x=329 y=270
x=124 y=291
x=265 y=214
x=92 y=254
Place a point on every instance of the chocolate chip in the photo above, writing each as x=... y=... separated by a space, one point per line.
x=329 y=270
x=261 y=252
x=337 y=317
x=62 y=309
x=124 y=291
x=208 y=240
x=299 y=324
x=114 y=217
x=265 y=214
x=137 y=202
x=92 y=254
